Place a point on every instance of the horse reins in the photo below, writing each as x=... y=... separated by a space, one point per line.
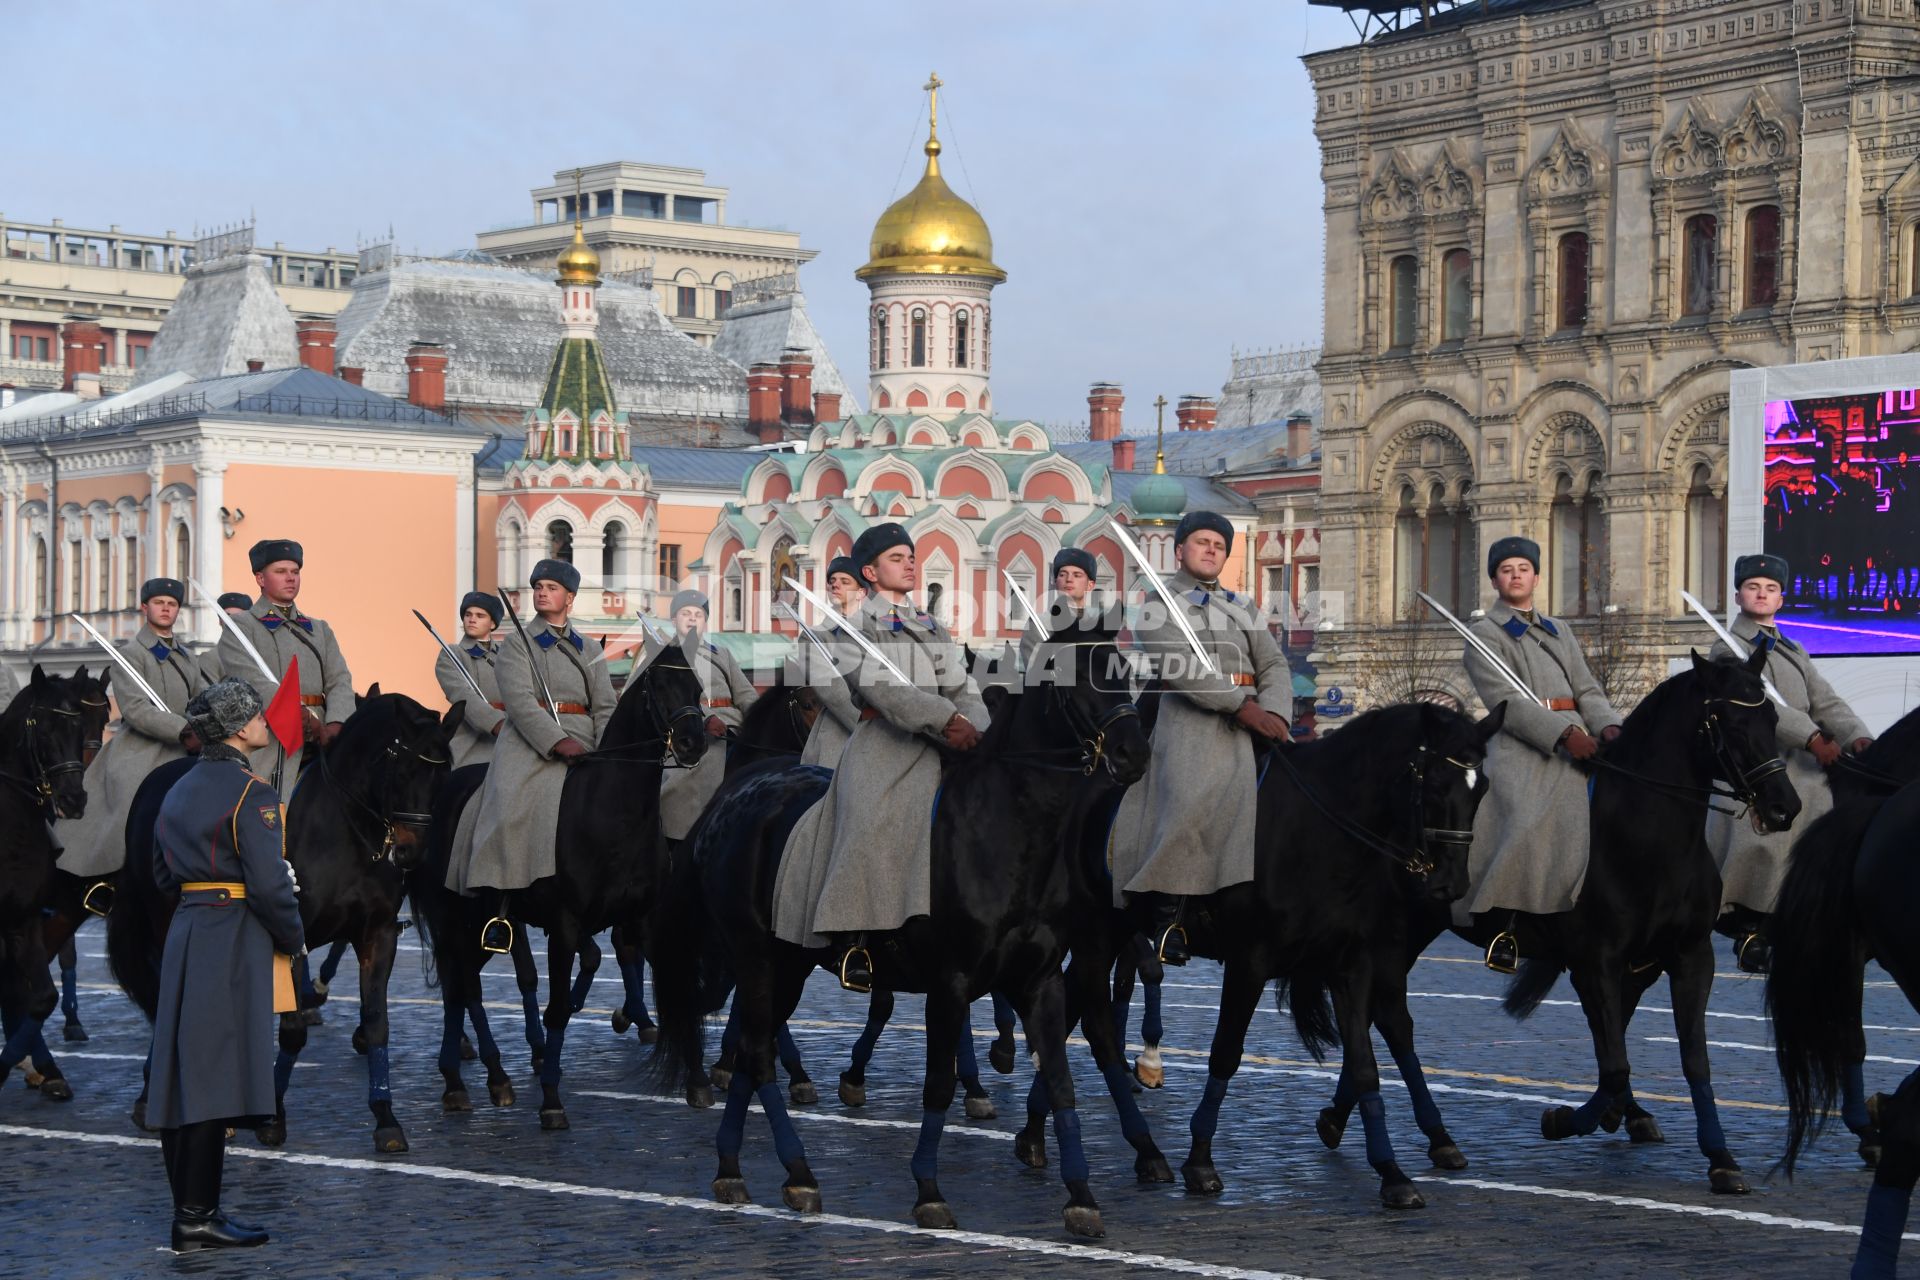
x=1746 y=790
x=40 y=785
x=389 y=819
x=1416 y=861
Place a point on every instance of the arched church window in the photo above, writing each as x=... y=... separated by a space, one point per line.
x=1763 y=256
x=1408 y=555
x=1456 y=296
x=1576 y=553
x=1404 y=275
x=917 y=354
x=560 y=540
x=1698 y=244
x=960 y=322
x=613 y=556
x=879 y=338
x=182 y=552
x=1574 y=253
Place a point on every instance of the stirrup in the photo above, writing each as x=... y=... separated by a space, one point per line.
x=1181 y=955
x=99 y=897
x=490 y=939
x=846 y=962
x=1503 y=953
x=1753 y=953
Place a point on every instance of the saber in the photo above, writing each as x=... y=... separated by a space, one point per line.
x=127 y=668
x=1166 y=596
x=233 y=629
x=448 y=650
x=813 y=636
x=539 y=676
x=871 y=649
x=1733 y=642
x=1499 y=663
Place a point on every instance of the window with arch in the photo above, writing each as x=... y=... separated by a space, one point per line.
x=1763 y=256
x=917 y=346
x=1022 y=572
x=1574 y=253
x=1698 y=245
x=1456 y=296
x=879 y=338
x=1706 y=539
x=560 y=540
x=182 y=551
x=613 y=556
x=1576 y=550
x=1404 y=279
x=1431 y=552
x=566 y=437
x=960 y=322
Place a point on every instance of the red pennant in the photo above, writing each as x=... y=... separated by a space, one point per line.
x=283 y=713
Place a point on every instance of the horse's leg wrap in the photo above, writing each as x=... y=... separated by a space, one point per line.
x=733 y=1120
x=1426 y=1113
x=789 y=1053
x=1150 y=1026
x=1133 y=1125
x=786 y=1142
x=483 y=1040
x=282 y=1073
x=926 y=1152
x=633 y=979
x=1880 y=1233
x=452 y=1018
x=1373 y=1119
x=1073 y=1153
x=1206 y=1116
x=1706 y=1117
x=379 y=1082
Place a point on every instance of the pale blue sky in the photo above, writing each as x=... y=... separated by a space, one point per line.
x=1149 y=170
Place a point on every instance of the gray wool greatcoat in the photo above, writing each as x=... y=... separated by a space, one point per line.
x=9 y=688
x=506 y=837
x=861 y=858
x=148 y=737
x=1530 y=833
x=726 y=695
x=473 y=739
x=214 y=1029
x=838 y=717
x=1752 y=865
x=1188 y=826
x=326 y=686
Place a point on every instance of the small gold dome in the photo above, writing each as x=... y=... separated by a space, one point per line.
x=578 y=264
x=931 y=231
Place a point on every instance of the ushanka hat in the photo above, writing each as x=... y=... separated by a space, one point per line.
x=1194 y=521
x=1509 y=548
x=483 y=600
x=167 y=587
x=555 y=571
x=1761 y=565
x=274 y=550
x=1077 y=558
x=222 y=709
x=685 y=597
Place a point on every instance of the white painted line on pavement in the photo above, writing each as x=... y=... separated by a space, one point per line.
x=1662 y=1206
x=1645 y=1008
x=1767 y=1048
x=985 y=1239
x=799 y=1113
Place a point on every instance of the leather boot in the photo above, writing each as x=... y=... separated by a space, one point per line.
x=200 y=1155
x=856 y=966
x=1167 y=935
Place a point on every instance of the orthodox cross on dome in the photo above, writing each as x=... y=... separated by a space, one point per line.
x=932 y=86
x=1160 y=435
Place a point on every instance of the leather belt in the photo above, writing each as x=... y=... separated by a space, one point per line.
x=498 y=706
x=1243 y=679
x=568 y=708
x=313 y=699
x=719 y=702
x=869 y=713
x=1562 y=704
x=213 y=891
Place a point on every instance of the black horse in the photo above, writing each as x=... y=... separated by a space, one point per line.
x=1001 y=898
x=356 y=826
x=1853 y=888
x=43 y=739
x=609 y=864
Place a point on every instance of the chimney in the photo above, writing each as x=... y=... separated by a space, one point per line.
x=1103 y=411
x=796 y=387
x=826 y=407
x=1196 y=413
x=315 y=336
x=352 y=373
x=764 y=382
x=1299 y=438
x=1123 y=447
x=83 y=346
x=255 y=366
x=427 y=375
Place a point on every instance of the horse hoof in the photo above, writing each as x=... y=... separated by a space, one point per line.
x=621 y=1022
x=56 y=1089
x=313 y=1018
x=1557 y=1123
x=389 y=1141
x=74 y=1033
x=980 y=1108
x=1000 y=1055
x=851 y=1094
x=648 y=1033
x=1031 y=1152
x=1645 y=1129
x=33 y=1078
x=1331 y=1127
x=553 y=1119
x=272 y=1134
x=360 y=1041
x=454 y=1101
x=1149 y=1075
x=1152 y=1168
x=1870 y=1149
x=802 y=1093
x=139 y=1116
x=501 y=1092
x=934 y=1215
x=1401 y=1195
x=1727 y=1182
x=1202 y=1179
x=801 y=1199
x=1610 y=1118
x=1447 y=1156
x=466 y=1050
x=1084 y=1220
x=700 y=1097
x=721 y=1079
x=321 y=989
x=731 y=1191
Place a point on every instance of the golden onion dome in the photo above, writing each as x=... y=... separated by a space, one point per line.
x=931 y=231
x=577 y=263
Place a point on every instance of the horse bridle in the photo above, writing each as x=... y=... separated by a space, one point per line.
x=389 y=819
x=1417 y=861
x=40 y=784
x=1747 y=789
x=1091 y=731
x=666 y=725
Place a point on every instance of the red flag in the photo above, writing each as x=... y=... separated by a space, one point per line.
x=283 y=713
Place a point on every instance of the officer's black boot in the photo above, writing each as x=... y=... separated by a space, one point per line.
x=200 y=1155
x=856 y=965
x=1168 y=936
x=1751 y=951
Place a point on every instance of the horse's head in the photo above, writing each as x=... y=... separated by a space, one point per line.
x=1739 y=728
x=660 y=710
x=95 y=710
x=390 y=756
x=1450 y=780
x=1088 y=687
x=44 y=736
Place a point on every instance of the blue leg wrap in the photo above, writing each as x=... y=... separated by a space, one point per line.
x=788 y=1051
x=1425 y=1113
x=635 y=983
x=966 y=1065
x=483 y=1042
x=733 y=1121
x=550 y=1064
x=69 y=992
x=926 y=1152
x=730 y=1038
x=1586 y=1116
x=1206 y=1116
x=451 y=1020
x=582 y=985
x=282 y=1073
x=1706 y=1116
x=22 y=1040
x=1120 y=1012
x=863 y=1047
x=303 y=980
x=379 y=1081
x=1005 y=1017
x=786 y=1143
x=1133 y=1125
x=1853 y=1105
x=1880 y=1234
x=1345 y=1091
x=1150 y=1027
x=530 y=1010
x=331 y=965
x=41 y=1055
x=1073 y=1153
x=1039 y=1101
x=1373 y=1118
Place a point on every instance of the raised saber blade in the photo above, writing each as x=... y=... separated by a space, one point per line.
x=867 y=646
x=533 y=663
x=1166 y=595
x=233 y=628
x=812 y=635
x=1499 y=663
x=1732 y=642
x=120 y=660
x=448 y=650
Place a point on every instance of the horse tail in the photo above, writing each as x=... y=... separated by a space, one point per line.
x=1812 y=991
x=1304 y=998
x=678 y=934
x=427 y=883
x=1530 y=986
x=134 y=943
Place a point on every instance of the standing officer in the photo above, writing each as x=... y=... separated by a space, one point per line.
x=861 y=859
x=1816 y=725
x=1187 y=828
x=220 y=840
x=506 y=839
x=148 y=737
x=281 y=632
x=726 y=696
x=838 y=716
x=1530 y=833
x=480 y=613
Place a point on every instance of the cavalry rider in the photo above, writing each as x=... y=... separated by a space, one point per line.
x=282 y=633
x=838 y=716
x=1816 y=727
x=506 y=839
x=860 y=860
x=220 y=840
x=1530 y=834
x=1073 y=576
x=235 y=601
x=480 y=613
x=9 y=688
x=148 y=737
x=1187 y=828
x=726 y=696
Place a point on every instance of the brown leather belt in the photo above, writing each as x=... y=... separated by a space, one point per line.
x=1562 y=704
x=719 y=702
x=498 y=706
x=313 y=699
x=569 y=708
x=1243 y=679
x=868 y=713
x=212 y=891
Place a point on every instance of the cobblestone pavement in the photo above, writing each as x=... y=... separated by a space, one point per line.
x=625 y=1190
